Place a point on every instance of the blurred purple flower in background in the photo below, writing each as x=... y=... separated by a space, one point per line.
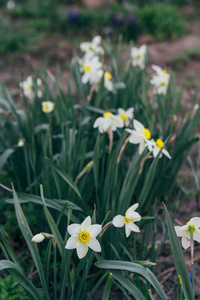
x=132 y=20
x=73 y=15
x=116 y=21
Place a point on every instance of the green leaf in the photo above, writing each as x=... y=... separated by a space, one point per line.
x=65 y=176
x=52 y=225
x=21 y=278
x=135 y=268
x=107 y=288
x=25 y=229
x=179 y=260
x=4 y=157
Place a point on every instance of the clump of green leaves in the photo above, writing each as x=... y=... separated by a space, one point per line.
x=11 y=290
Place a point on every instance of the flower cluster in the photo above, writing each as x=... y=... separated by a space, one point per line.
x=83 y=236
x=160 y=80
x=92 y=67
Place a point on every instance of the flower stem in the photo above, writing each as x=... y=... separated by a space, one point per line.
x=192 y=257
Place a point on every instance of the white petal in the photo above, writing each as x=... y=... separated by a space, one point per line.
x=196 y=235
x=72 y=242
x=195 y=221
x=94 y=245
x=95 y=230
x=138 y=126
x=118 y=221
x=127 y=230
x=166 y=153
x=141 y=147
x=185 y=242
x=133 y=227
x=74 y=229
x=96 y=40
x=86 y=224
x=181 y=230
x=133 y=207
x=82 y=250
x=38 y=238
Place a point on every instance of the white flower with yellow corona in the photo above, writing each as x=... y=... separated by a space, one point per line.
x=93 y=47
x=160 y=80
x=21 y=142
x=131 y=216
x=47 y=106
x=157 y=146
x=83 y=236
x=27 y=87
x=140 y=135
x=185 y=232
x=138 y=56
x=108 y=81
x=108 y=121
x=92 y=69
x=126 y=115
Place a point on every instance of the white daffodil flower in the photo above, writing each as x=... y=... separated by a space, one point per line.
x=160 y=80
x=27 y=87
x=128 y=220
x=140 y=135
x=83 y=236
x=38 y=238
x=126 y=115
x=47 y=106
x=92 y=69
x=21 y=142
x=184 y=232
x=11 y=5
x=138 y=56
x=108 y=121
x=92 y=47
x=157 y=146
x=108 y=81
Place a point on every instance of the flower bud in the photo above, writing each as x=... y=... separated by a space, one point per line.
x=38 y=238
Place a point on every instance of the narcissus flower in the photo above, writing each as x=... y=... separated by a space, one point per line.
x=138 y=56
x=47 y=106
x=108 y=81
x=108 y=121
x=131 y=216
x=92 y=69
x=140 y=135
x=184 y=232
x=27 y=87
x=21 y=142
x=126 y=115
x=83 y=236
x=92 y=47
x=160 y=80
x=157 y=146
x=38 y=238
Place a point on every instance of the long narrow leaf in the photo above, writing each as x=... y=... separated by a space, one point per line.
x=179 y=260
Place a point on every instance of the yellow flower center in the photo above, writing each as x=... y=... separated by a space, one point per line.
x=188 y=223
x=123 y=117
x=128 y=220
x=108 y=75
x=139 y=56
x=46 y=106
x=191 y=228
x=147 y=133
x=159 y=143
x=29 y=87
x=87 y=68
x=84 y=237
x=163 y=83
x=107 y=114
x=164 y=72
